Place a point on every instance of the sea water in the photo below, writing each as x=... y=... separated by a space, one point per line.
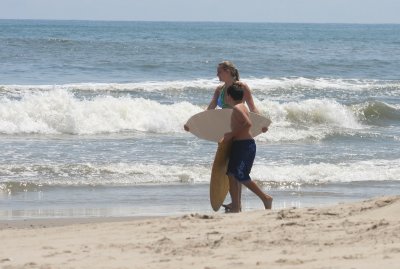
x=92 y=114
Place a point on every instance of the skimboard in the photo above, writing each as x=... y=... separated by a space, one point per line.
x=219 y=184
x=213 y=124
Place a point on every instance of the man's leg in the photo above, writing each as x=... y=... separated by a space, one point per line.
x=267 y=200
x=234 y=190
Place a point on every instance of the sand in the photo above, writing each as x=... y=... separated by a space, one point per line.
x=356 y=235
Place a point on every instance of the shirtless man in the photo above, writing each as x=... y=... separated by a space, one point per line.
x=243 y=151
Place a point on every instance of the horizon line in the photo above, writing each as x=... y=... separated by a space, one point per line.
x=199 y=21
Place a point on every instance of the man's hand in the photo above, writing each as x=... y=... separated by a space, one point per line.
x=227 y=137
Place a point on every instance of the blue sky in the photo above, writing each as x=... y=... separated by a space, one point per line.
x=314 y=11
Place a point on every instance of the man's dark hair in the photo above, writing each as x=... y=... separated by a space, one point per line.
x=236 y=92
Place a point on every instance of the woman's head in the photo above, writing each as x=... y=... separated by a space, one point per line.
x=227 y=68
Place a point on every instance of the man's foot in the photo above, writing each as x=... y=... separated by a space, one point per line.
x=230 y=209
x=268 y=202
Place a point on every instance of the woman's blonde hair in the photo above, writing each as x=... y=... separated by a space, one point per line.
x=229 y=66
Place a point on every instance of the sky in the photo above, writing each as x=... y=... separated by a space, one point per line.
x=291 y=11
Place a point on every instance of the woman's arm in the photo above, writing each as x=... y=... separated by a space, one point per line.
x=248 y=98
x=214 y=100
x=212 y=105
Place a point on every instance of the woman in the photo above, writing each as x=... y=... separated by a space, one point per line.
x=228 y=74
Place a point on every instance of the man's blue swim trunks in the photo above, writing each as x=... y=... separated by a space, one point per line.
x=241 y=159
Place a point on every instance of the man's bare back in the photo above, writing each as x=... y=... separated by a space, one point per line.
x=240 y=122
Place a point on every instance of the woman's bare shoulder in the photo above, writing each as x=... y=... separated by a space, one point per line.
x=219 y=88
x=242 y=83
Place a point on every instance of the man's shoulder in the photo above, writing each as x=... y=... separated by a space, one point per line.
x=240 y=107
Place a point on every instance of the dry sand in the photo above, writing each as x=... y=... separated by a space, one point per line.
x=358 y=235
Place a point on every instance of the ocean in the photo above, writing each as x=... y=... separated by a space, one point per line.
x=92 y=114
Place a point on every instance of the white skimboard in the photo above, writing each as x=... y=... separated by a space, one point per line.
x=213 y=124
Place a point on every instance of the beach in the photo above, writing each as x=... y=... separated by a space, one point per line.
x=350 y=235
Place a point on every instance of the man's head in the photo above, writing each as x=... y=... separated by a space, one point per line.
x=235 y=92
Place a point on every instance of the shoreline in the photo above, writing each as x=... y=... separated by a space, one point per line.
x=358 y=235
x=171 y=200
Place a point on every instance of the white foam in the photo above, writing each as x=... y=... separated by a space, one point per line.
x=59 y=111
x=310 y=119
x=144 y=173
x=319 y=83
x=146 y=86
x=373 y=170
x=103 y=174
x=261 y=85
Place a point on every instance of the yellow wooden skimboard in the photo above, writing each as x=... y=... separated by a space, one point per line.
x=219 y=184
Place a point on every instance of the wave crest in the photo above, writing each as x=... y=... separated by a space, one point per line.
x=26 y=177
x=376 y=112
x=260 y=85
x=62 y=112
x=59 y=112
